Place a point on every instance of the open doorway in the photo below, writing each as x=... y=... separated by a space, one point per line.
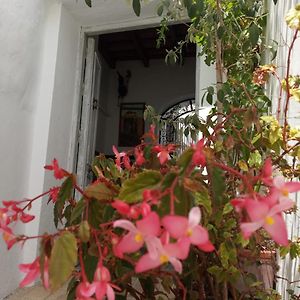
x=124 y=71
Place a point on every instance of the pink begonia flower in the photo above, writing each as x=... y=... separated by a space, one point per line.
x=26 y=218
x=279 y=191
x=85 y=290
x=270 y=218
x=163 y=152
x=126 y=162
x=139 y=156
x=189 y=229
x=58 y=172
x=151 y=196
x=33 y=271
x=9 y=238
x=118 y=156
x=102 y=283
x=266 y=172
x=132 y=212
x=144 y=232
x=164 y=253
x=198 y=156
x=54 y=193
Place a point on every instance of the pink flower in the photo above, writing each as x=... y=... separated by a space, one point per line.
x=139 y=156
x=85 y=290
x=144 y=232
x=4 y=218
x=59 y=173
x=26 y=218
x=54 y=193
x=151 y=196
x=189 y=229
x=9 y=238
x=33 y=271
x=164 y=254
x=118 y=156
x=279 y=191
x=102 y=283
x=132 y=212
x=198 y=156
x=266 y=172
x=270 y=218
x=163 y=152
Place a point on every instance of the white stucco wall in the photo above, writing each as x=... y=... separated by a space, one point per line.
x=159 y=85
x=63 y=102
x=22 y=31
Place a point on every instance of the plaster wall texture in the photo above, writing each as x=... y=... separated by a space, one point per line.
x=22 y=27
x=63 y=102
x=158 y=85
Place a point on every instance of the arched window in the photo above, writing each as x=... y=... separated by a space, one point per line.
x=171 y=131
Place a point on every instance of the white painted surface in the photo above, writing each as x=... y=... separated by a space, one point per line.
x=279 y=31
x=23 y=69
x=108 y=11
x=63 y=103
x=159 y=86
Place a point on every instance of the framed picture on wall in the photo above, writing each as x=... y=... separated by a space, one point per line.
x=131 y=124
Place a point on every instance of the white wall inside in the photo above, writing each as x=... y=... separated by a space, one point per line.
x=159 y=85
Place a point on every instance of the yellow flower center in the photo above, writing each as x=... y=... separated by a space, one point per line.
x=285 y=192
x=164 y=259
x=269 y=220
x=189 y=232
x=138 y=238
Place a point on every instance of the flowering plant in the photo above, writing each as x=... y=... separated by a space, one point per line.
x=156 y=224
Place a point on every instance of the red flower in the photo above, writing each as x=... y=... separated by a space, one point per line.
x=33 y=271
x=163 y=152
x=59 y=173
x=26 y=218
x=139 y=156
x=198 y=156
x=54 y=193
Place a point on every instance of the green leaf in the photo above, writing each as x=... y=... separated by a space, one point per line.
x=224 y=255
x=136 y=5
x=227 y=208
x=88 y=3
x=77 y=211
x=254 y=32
x=209 y=98
x=202 y=198
x=160 y=10
x=95 y=216
x=99 y=191
x=255 y=159
x=84 y=231
x=65 y=193
x=63 y=259
x=133 y=188
x=218 y=186
x=185 y=158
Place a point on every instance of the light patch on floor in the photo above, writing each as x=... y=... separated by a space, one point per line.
x=37 y=293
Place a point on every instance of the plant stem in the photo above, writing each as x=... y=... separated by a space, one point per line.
x=288 y=92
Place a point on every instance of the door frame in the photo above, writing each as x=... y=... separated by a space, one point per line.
x=85 y=32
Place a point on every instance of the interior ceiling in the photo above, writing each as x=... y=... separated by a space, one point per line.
x=141 y=45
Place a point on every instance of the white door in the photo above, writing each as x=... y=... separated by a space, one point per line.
x=89 y=114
